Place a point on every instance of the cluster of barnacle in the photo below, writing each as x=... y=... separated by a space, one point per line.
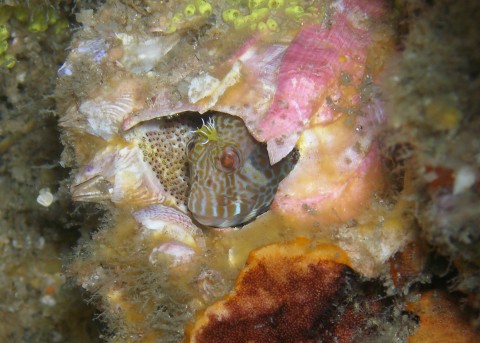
x=152 y=260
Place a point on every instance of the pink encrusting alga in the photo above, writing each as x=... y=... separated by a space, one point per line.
x=325 y=82
x=313 y=64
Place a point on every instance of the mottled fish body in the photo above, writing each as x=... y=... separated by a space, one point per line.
x=231 y=179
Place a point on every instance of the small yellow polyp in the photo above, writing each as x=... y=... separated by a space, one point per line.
x=39 y=21
x=3 y=32
x=242 y=21
x=189 y=10
x=272 y=24
x=262 y=26
x=7 y=61
x=254 y=4
x=170 y=29
x=294 y=11
x=204 y=8
x=259 y=14
x=177 y=18
x=274 y=4
x=230 y=15
x=3 y=46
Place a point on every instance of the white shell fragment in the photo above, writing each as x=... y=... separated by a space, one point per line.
x=175 y=252
x=168 y=221
x=464 y=179
x=232 y=77
x=141 y=55
x=201 y=87
x=45 y=197
x=205 y=85
x=103 y=115
x=94 y=49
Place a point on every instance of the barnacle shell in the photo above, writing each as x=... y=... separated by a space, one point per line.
x=128 y=91
x=102 y=115
x=119 y=174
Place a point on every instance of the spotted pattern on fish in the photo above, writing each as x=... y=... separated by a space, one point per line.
x=163 y=144
x=231 y=179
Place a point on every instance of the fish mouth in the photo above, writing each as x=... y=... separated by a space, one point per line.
x=237 y=220
x=212 y=221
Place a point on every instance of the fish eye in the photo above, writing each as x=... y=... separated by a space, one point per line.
x=229 y=159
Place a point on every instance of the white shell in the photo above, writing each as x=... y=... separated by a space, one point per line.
x=103 y=115
x=176 y=252
x=464 y=179
x=45 y=197
x=202 y=86
x=171 y=222
x=141 y=54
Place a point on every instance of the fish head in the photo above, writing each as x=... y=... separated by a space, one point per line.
x=231 y=179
